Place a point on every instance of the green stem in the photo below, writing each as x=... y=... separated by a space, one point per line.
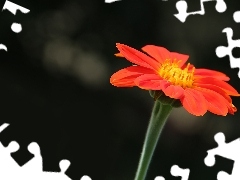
x=158 y=118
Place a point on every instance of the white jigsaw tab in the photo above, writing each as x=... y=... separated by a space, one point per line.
x=111 y=1
x=64 y=164
x=34 y=165
x=85 y=178
x=3 y=126
x=222 y=51
x=159 y=178
x=182 y=9
x=228 y=150
x=177 y=171
x=236 y=16
x=2 y=46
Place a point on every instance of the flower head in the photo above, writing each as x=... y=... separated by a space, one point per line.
x=199 y=90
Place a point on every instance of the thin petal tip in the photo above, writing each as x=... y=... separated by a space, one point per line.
x=118 y=44
x=118 y=55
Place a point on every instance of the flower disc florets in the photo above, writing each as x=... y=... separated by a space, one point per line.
x=173 y=73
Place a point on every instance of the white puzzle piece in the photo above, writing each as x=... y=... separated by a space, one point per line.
x=182 y=9
x=33 y=169
x=222 y=51
x=227 y=150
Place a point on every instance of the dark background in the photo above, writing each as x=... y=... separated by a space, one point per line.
x=55 y=90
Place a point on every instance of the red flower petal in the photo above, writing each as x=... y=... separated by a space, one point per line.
x=213 y=81
x=209 y=90
x=232 y=109
x=211 y=73
x=172 y=91
x=218 y=90
x=137 y=57
x=150 y=82
x=230 y=106
x=216 y=103
x=118 y=55
x=125 y=77
x=194 y=102
x=161 y=54
x=157 y=52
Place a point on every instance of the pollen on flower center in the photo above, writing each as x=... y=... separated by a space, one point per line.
x=171 y=71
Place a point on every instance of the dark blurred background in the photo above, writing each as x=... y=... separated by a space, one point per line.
x=55 y=90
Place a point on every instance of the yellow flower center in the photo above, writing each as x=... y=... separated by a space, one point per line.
x=171 y=71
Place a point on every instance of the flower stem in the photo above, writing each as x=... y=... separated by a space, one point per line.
x=157 y=121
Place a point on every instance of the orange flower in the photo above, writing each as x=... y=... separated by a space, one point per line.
x=198 y=90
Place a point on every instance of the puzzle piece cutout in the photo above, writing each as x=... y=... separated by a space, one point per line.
x=222 y=51
x=177 y=171
x=16 y=27
x=182 y=9
x=228 y=150
x=33 y=169
x=2 y=46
